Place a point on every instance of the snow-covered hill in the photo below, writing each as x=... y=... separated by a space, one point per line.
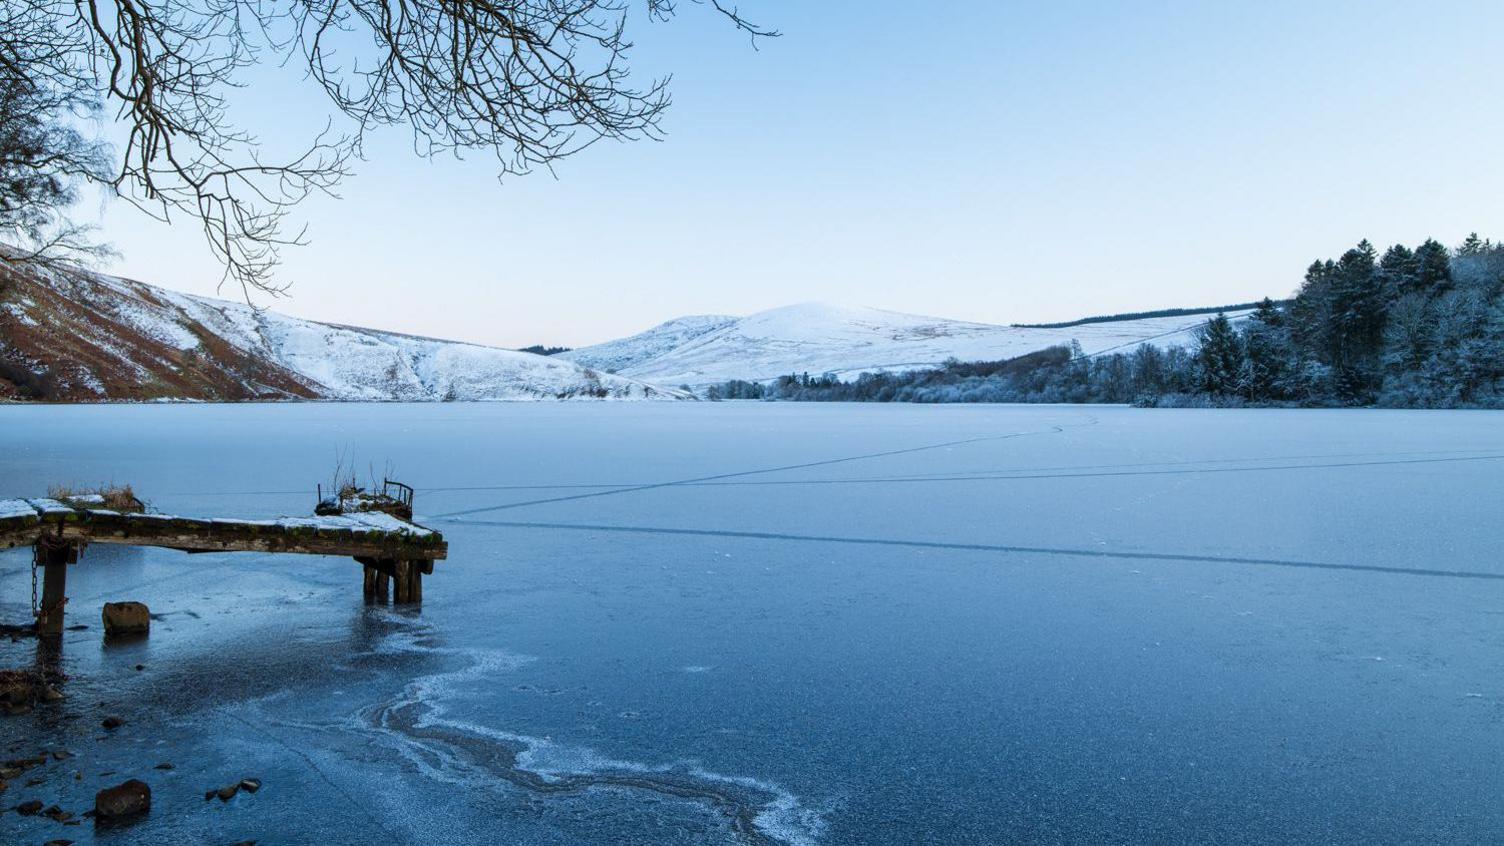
x=616 y=356
x=821 y=338
x=73 y=335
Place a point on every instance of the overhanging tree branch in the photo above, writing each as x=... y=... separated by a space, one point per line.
x=530 y=81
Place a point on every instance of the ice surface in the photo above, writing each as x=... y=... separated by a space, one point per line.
x=927 y=624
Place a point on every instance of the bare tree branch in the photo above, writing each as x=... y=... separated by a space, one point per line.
x=531 y=81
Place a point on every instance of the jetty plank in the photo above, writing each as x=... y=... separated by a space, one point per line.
x=22 y=522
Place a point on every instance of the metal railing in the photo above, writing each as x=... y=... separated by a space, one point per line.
x=397 y=491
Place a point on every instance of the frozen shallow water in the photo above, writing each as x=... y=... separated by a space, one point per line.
x=780 y=623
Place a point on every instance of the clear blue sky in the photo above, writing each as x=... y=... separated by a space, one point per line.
x=1000 y=162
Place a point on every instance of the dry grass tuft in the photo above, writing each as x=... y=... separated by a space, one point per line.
x=114 y=497
x=120 y=498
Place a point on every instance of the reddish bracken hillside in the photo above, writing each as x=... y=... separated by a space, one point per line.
x=66 y=336
x=77 y=336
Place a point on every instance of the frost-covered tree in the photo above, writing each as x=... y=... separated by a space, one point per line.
x=1220 y=357
x=1433 y=266
x=1415 y=328
x=1266 y=348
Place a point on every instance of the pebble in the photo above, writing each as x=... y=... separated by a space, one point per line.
x=123 y=800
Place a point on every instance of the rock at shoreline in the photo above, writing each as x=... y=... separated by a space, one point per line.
x=17 y=690
x=20 y=689
x=225 y=794
x=123 y=800
x=126 y=618
x=250 y=785
x=29 y=808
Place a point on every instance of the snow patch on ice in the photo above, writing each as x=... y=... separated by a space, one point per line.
x=782 y=817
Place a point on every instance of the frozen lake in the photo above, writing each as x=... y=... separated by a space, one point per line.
x=795 y=624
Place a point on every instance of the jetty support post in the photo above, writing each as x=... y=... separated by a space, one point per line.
x=401 y=583
x=407 y=581
x=369 y=591
x=404 y=577
x=53 y=555
x=378 y=576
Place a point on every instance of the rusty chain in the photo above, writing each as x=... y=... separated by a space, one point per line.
x=34 y=612
x=49 y=545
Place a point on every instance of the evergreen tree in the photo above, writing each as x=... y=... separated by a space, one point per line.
x=1220 y=357
x=1265 y=345
x=1433 y=267
x=1473 y=246
x=1401 y=269
x=1268 y=313
x=1354 y=335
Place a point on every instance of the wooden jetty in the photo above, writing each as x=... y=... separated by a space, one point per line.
x=392 y=550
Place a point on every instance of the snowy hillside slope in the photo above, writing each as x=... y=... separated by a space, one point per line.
x=822 y=338
x=75 y=335
x=616 y=356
